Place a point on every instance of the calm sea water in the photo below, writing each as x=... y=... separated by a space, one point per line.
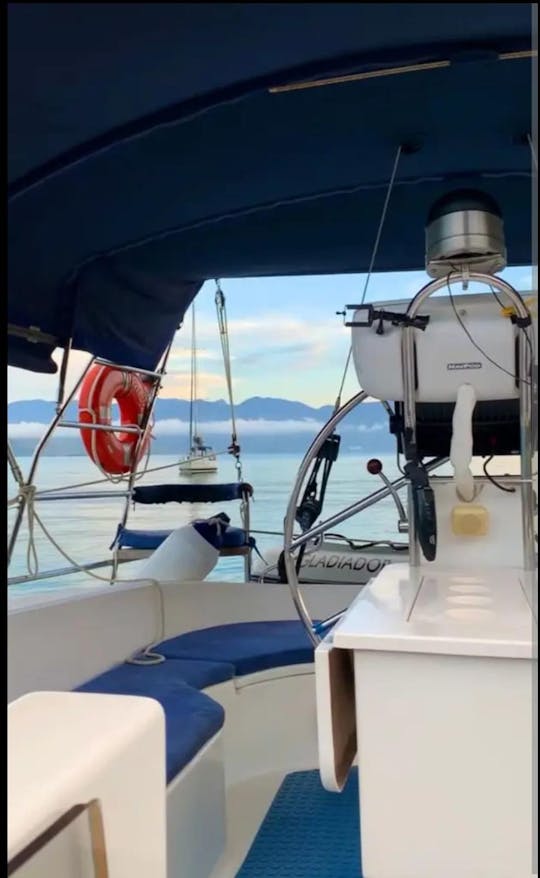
x=86 y=528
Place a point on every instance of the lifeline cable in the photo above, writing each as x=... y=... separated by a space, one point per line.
x=146 y=656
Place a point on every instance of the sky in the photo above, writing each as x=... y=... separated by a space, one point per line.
x=285 y=338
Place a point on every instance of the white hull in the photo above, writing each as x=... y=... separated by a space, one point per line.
x=334 y=562
x=194 y=465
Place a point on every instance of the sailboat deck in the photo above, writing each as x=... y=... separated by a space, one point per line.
x=307 y=832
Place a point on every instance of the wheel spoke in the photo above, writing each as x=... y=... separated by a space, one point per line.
x=288 y=559
x=291 y=545
x=322 y=627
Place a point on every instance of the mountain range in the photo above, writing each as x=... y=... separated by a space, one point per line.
x=264 y=424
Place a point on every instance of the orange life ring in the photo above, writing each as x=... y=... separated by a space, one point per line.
x=113 y=452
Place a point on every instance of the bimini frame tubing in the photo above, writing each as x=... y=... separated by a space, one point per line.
x=525 y=370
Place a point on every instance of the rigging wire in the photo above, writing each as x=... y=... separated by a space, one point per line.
x=371 y=263
x=147 y=655
x=498 y=365
x=221 y=311
x=493 y=481
x=381 y=222
x=496 y=297
x=475 y=343
x=527 y=337
x=154 y=469
x=193 y=381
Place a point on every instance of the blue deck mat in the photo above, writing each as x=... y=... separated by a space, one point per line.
x=308 y=832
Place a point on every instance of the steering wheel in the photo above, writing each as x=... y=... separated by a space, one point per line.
x=292 y=545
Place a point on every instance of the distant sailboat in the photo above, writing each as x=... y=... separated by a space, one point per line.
x=200 y=458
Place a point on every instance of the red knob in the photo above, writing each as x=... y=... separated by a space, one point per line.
x=374 y=466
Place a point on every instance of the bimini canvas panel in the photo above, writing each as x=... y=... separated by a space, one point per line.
x=153 y=146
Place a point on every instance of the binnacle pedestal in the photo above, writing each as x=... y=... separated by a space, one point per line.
x=443 y=691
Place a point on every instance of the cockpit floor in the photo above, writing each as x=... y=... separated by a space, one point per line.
x=308 y=832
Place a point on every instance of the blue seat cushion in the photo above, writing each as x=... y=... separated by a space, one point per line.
x=191 y=717
x=150 y=540
x=235 y=537
x=248 y=646
x=141 y=539
x=193 y=672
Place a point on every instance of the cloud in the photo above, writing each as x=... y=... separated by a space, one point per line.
x=261 y=426
x=34 y=385
x=183 y=355
x=256 y=342
x=33 y=430
x=371 y=428
x=258 y=427
x=305 y=351
x=276 y=330
x=177 y=427
x=301 y=344
x=267 y=351
x=176 y=385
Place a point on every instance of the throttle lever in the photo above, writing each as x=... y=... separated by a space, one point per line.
x=375 y=468
x=425 y=515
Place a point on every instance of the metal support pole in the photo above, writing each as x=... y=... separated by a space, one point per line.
x=82 y=495
x=145 y=425
x=245 y=525
x=63 y=374
x=149 y=374
x=61 y=571
x=35 y=460
x=525 y=348
x=13 y=465
x=103 y=428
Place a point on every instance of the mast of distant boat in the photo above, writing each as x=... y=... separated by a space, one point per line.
x=193 y=386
